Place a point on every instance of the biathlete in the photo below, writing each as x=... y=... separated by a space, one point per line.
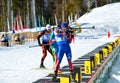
x=43 y=40
x=53 y=43
x=63 y=40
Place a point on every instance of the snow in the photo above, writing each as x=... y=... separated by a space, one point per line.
x=106 y=18
x=18 y=63
x=107 y=13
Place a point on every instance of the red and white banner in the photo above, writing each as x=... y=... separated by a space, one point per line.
x=21 y=25
x=17 y=25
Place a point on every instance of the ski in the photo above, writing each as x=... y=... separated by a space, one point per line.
x=37 y=45
x=33 y=46
x=41 y=69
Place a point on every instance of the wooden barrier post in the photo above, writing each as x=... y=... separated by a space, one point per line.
x=97 y=59
x=101 y=55
x=111 y=44
x=105 y=52
x=92 y=61
x=78 y=74
x=118 y=41
x=106 y=47
x=87 y=67
x=115 y=44
x=110 y=48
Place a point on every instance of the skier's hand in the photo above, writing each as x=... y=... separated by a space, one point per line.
x=40 y=45
x=50 y=42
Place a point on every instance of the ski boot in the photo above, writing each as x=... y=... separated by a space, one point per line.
x=71 y=75
x=42 y=66
x=54 y=77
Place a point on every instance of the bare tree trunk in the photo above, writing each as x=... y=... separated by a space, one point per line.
x=27 y=16
x=63 y=14
x=71 y=18
x=34 y=13
x=4 y=20
x=31 y=15
x=57 y=13
x=8 y=12
x=12 y=18
x=88 y=6
x=107 y=1
x=66 y=17
x=56 y=20
x=95 y=3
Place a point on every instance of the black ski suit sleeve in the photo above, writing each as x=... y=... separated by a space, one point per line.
x=38 y=38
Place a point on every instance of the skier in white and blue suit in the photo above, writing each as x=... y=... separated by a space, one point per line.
x=63 y=38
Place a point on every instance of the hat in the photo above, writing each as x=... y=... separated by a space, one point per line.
x=57 y=27
x=48 y=26
x=64 y=24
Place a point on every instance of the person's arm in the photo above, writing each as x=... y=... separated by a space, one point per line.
x=39 y=36
x=69 y=35
x=51 y=38
x=2 y=38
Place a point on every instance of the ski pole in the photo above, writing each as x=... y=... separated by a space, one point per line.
x=37 y=45
x=33 y=46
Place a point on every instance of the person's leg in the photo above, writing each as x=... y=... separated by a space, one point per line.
x=2 y=43
x=69 y=57
x=7 y=43
x=55 y=54
x=43 y=57
x=59 y=59
x=60 y=56
x=51 y=51
x=55 y=51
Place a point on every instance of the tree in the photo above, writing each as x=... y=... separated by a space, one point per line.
x=59 y=8
x=3 y=15
x=74 y=7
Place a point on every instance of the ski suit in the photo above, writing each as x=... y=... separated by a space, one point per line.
x=43 y=40
x=63 y=41
x=5 y=40
x=54 y=45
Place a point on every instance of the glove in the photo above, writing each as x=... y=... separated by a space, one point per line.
x=40 y=45
x=50 y=42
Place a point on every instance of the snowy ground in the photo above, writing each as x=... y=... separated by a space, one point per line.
x=17 y=63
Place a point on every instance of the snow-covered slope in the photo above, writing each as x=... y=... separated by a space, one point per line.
x=107 y=13
x=17 y=62
x=106 y=18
